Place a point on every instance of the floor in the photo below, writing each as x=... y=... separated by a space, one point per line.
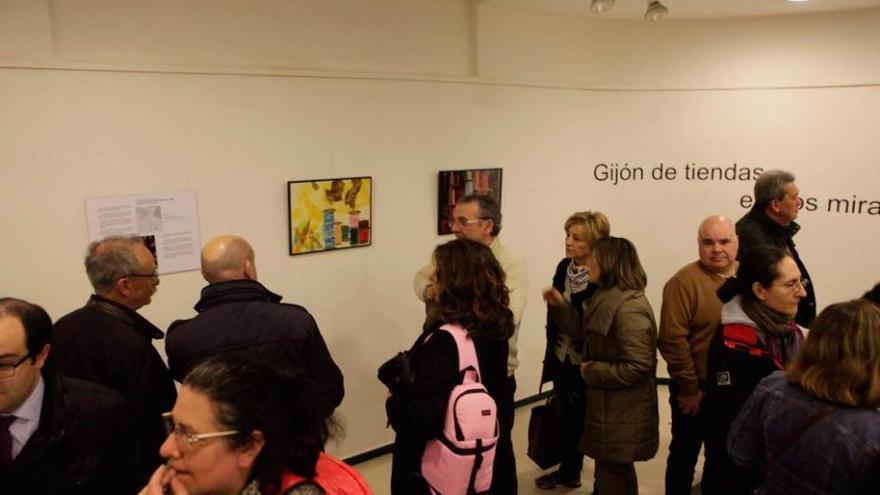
x=378 y=471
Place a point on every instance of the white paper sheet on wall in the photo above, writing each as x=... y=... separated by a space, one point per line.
x=168 y=222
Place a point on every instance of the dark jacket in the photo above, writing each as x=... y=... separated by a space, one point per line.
x=756 y=229
x=551 y=362
x=107 y=343
x=80 y=446
x=243 y=316
x=836 y=455
x=733 y=374
x=417 y=414
x=620 y=335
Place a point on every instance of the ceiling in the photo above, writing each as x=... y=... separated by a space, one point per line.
x=689 y=9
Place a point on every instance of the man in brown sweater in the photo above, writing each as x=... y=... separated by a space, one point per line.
x=690 y=314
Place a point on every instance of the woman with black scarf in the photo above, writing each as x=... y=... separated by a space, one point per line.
x=757 y=336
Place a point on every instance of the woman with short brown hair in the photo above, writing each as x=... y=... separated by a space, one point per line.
x=832 y=388
x=619 y=334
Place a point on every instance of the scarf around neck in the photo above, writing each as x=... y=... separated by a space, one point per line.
x=578 y=277
x=781 y=334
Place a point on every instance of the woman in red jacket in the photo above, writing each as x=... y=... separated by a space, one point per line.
x=240 y=427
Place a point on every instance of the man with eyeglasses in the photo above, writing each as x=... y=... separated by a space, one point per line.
x=770 y=222
x=57 y=434
x=108 y=342
x=689 y=317
x=477 y=217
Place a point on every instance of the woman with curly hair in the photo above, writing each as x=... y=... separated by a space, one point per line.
x=469 y=293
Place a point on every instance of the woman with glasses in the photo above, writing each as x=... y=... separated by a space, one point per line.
x=757 y=336
x=562 y=359
x=619 y=338
x=832 y=387
x=240 y=427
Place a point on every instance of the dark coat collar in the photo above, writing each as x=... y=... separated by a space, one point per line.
x=120 y=312
x=232 y=291
x=764 y=219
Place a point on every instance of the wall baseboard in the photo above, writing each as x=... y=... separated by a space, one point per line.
x=386 y=449
x=370 y=454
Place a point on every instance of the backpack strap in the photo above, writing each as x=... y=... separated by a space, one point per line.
x=744 y=338
x=467 y=353
x=794 y=436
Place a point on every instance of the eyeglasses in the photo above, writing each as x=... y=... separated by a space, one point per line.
x=793 y=285
x=155 y=274
x=190 y=438
x=7 y=370
x=463 y=222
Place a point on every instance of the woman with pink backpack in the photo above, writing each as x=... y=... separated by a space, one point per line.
x=444 y=390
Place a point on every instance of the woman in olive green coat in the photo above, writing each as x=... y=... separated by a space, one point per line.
x=620 y=336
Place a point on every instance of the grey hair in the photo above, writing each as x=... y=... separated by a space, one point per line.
x=110 y=259
x=489 y=209
x=771 y=185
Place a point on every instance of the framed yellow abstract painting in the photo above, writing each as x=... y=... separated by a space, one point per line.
x=329 y=214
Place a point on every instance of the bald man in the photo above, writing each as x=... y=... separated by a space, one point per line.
x=237 y=314
x=690 y=314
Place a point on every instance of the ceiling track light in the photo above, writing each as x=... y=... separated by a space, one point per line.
x=656 y=11
x=599 y=6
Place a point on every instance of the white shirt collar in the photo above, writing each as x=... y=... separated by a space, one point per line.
x=27 y=418
x=30 y=409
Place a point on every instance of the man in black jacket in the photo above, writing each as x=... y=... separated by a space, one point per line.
x=238 y=314
x=57 y=434
x=108 y=342
x=771 y=223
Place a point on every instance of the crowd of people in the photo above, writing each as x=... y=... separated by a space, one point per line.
x=782 y=401
x=88 y=406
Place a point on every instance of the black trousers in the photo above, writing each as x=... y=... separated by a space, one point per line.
x=684 y=449
x=504 y=470
x=720 y=475
x=570 y=392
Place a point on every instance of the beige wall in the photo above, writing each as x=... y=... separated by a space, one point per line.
x=105 y=98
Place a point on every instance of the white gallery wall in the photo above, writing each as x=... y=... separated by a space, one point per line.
x=103 y=98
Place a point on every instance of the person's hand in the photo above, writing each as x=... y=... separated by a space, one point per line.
x=689 y=405
x=163 y=481
x=553 y=297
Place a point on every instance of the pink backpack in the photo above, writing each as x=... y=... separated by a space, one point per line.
x=460 y=461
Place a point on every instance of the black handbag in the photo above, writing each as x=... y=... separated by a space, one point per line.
x=397 y=373
x=544 y=434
